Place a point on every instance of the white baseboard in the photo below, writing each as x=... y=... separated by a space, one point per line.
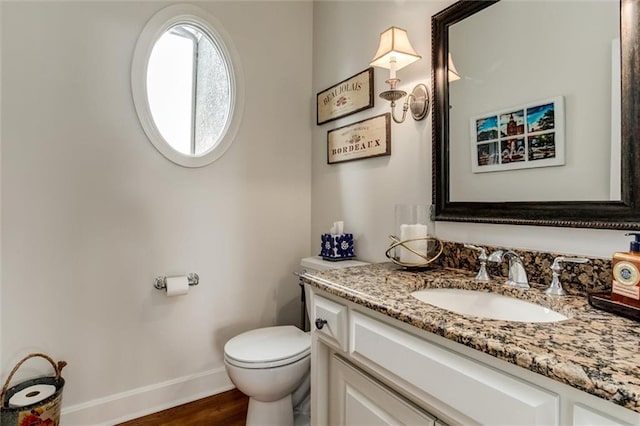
x=139 y=402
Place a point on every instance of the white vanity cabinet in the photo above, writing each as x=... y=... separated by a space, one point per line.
x=370 y=369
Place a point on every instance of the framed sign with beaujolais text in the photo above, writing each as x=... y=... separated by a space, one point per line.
x=347 y=97
x=364 y=139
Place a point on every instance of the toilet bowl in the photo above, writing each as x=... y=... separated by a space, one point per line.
x=269 y=365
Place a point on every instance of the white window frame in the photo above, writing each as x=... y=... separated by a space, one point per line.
x=156 y=27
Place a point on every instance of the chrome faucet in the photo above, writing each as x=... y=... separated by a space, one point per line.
x=517 y=273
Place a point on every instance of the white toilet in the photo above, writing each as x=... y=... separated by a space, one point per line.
x=268 y=365
x=271 y=365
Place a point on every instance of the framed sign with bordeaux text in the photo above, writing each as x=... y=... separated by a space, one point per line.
x=347 y=97
x=363 y=139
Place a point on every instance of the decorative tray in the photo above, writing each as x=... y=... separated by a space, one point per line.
x=603 y=301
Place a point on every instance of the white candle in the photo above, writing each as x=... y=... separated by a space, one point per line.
x=409 y=232
x=392 y=67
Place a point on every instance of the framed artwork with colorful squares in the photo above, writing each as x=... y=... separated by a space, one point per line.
x=520 y=137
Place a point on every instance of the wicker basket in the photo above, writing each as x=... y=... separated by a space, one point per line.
x=43 y=412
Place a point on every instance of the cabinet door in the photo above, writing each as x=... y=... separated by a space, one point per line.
x=358 y=400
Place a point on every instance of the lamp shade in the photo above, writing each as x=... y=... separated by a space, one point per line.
x=394 y=43
x=453 y=72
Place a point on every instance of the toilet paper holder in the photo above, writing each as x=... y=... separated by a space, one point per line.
x=161 y=282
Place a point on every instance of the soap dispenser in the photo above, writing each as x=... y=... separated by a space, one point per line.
x=626 y=274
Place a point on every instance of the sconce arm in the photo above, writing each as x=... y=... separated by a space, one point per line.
x=405 y=108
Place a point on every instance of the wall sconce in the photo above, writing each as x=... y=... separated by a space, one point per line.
x=394 y=53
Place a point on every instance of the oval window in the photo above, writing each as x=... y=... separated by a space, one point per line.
x=186 y=88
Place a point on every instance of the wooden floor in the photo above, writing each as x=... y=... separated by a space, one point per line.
x=227 y=408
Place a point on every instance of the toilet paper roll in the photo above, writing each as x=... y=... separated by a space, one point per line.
x=31 y=395
x=177 y=286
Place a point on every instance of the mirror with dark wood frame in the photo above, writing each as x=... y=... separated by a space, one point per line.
x=606 y=214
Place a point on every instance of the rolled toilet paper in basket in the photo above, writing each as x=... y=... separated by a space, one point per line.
x=31 y=395
x=177 y=286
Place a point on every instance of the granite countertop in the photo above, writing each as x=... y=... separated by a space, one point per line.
x=594 y=351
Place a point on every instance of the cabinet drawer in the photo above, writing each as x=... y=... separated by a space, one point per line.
x=335 y=316
x=356 y=399
x=473 y=389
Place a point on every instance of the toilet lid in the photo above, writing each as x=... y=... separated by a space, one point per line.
x=270 y=346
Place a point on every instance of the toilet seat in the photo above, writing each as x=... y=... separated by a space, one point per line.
x=268 y=347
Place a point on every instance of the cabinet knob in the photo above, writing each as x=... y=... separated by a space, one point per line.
x=320 y=323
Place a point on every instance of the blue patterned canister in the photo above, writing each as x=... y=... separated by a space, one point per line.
x=337 y=247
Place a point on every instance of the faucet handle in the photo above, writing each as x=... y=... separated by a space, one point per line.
x=556 y=287
x=558 y=260
x=481 y=250
x=482 y=274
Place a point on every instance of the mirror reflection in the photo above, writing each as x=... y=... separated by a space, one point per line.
x=188 y=90
x=511 y=60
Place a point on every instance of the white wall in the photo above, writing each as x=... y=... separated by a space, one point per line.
x=92 y=213
x=363 y=193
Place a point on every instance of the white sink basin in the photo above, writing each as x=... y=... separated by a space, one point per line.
x=487 y=305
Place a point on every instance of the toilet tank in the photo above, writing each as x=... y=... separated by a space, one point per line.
x=317 y=264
